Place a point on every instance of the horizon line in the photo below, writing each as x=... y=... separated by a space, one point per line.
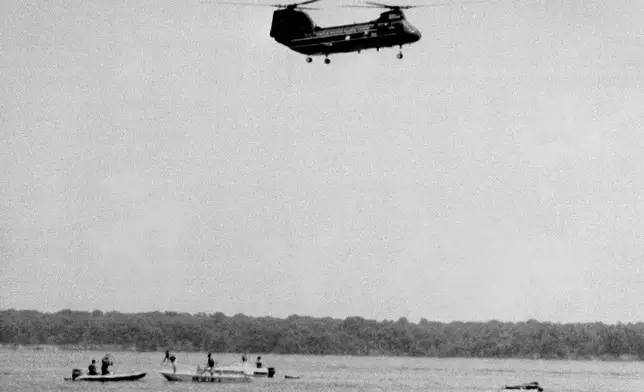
x=420 y=319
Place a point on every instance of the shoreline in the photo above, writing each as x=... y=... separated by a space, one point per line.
x=121 y=348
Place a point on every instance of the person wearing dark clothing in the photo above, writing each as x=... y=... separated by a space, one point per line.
x=92 y=368
x=105 y=364
x=211 y=362
x=172 y=359
x=259 y=362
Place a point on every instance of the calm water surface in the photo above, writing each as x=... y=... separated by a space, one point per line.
x=29 y=370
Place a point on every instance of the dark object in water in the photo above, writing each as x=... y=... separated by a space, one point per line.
x=524 y=387
x=76 y=373
x=271 y=372
x=292 y=377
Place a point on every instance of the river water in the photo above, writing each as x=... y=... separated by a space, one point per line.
x=30 y=370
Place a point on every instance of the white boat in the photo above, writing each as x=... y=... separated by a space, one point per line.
x=248 y=369
x=214 y=377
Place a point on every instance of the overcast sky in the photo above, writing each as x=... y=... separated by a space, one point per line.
x=168 y=155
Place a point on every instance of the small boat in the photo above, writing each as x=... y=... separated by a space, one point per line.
x=214 y=377
x=77 y=375
x=246 y=369
x=525 y=387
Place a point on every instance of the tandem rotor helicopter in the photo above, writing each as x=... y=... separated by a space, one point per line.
x=295 y=29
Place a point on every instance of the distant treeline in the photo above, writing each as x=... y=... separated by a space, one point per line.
x=321 y=336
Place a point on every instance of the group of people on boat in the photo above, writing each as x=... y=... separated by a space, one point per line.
x=172 y=359
x=106 y=362
x=210 y=362
x=258 y=362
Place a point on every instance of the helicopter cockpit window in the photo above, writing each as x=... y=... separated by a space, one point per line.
x=394 y=16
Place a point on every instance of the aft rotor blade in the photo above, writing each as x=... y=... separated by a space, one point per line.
x=374 y=4
x=447 y=4
x=294 y=5
x=380 y=4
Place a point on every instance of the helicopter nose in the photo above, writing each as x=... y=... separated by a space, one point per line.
x=413 y=34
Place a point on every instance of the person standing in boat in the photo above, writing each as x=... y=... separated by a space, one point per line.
x=244 y=358
x=92 y=368
x=259 y=362
x=106 y=362
x=211 y=363
x=172 y=359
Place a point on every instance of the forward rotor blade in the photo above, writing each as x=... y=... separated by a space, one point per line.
x=235 y=3
x=293 y=5
x=307 y=2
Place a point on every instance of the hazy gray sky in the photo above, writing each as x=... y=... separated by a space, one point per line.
x=168 y=155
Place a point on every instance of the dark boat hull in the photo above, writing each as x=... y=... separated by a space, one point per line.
x=525 y=387
x=109 y=377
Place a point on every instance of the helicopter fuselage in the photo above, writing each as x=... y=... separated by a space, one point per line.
x=296 y=30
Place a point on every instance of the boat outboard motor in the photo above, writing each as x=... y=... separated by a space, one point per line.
x=76 y=373
x=271 y=372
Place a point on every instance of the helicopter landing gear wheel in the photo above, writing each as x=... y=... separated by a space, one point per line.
x=308 y=59
x=327 y=60
x=399 y=56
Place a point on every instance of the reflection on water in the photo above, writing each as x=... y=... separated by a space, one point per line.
x=31 y=370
